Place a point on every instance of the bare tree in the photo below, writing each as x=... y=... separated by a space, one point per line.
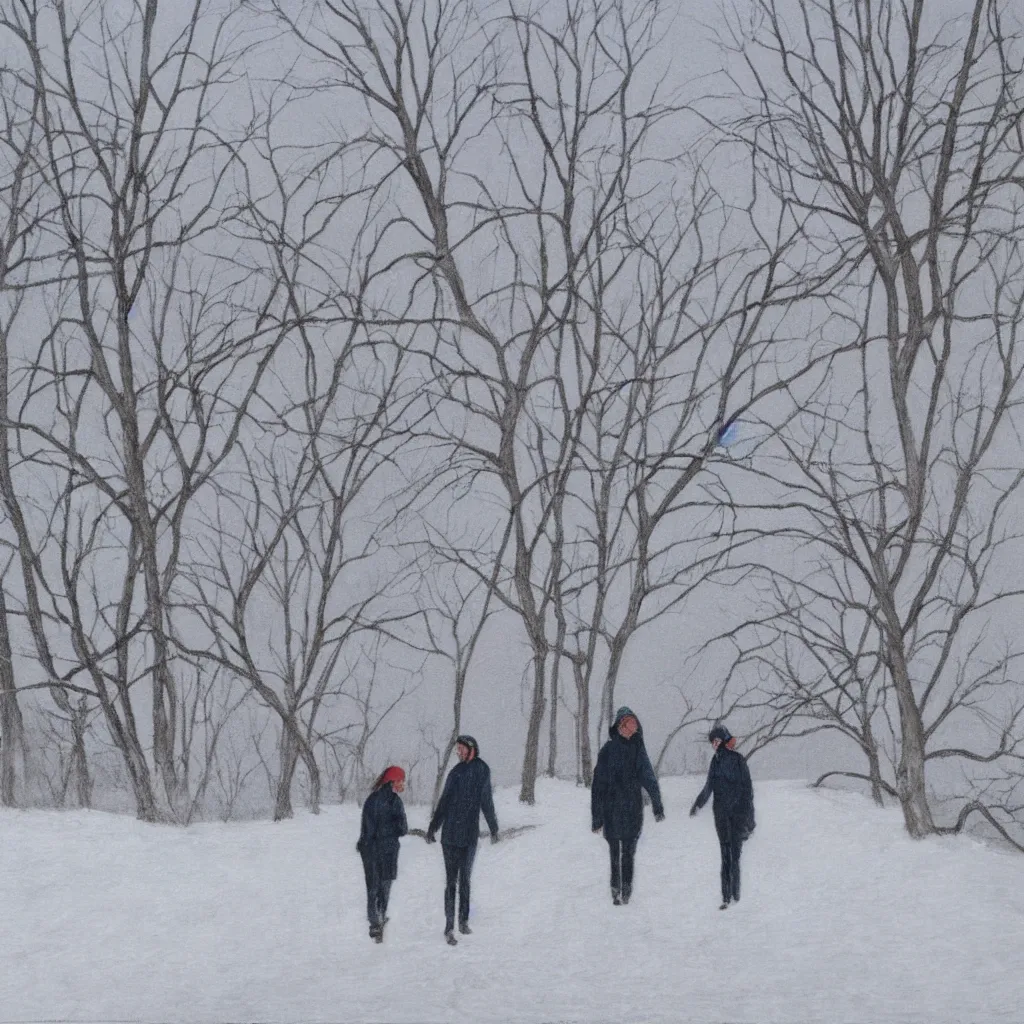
x=455 y=614
x=427 y=75
x=60 y=759
x=813 y=664
x=27 y=250
x=996 y=801
x=156 y=346
x=281 y=612
x=18 y=223
x=207 y=714
x=235 y=764
x=688 y=717
x=526 y=277
x=349 y=744
x=899 y=134
x=12 y=729
x=315 y=495
x=706 y=345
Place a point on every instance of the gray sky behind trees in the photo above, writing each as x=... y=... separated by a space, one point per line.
x=292 y=252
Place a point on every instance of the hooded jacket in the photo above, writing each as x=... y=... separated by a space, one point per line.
x=467 y=793
x=382 y=824
x=729 y=781
x=622 y=769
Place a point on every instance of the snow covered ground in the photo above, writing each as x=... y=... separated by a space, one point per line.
x=843 y=918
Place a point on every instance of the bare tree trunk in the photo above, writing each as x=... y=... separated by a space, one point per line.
x=553 y=723
x=79 y=760
x=583 y=725
x=294 y=747
x=527 y=789
x=462 y=665
x=869 y=744
x=289 y=762
x=126 y=738
x=875 y=774
x=10 y=714
x=553 y=719
x=577 y=753
x=910 y=776
x=558 y=605
x=618 y=649
x=460 y=688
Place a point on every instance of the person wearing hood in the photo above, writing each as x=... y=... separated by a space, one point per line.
x=383 y=824
x=616 y=803
x=729 y=781
x=467 y=793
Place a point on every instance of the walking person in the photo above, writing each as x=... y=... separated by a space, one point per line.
x=616 y=803
x=729 y=781
x=383 y=824
x=467 y=793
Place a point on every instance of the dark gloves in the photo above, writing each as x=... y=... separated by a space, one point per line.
x=429 y=837
x=659 y=815
x=494 y=838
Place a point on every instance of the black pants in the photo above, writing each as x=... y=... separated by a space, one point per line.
x=458 y=866
x=622 y=852
x=730 y=840
x=378 y=892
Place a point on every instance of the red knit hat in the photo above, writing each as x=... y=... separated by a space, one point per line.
x=392 y=774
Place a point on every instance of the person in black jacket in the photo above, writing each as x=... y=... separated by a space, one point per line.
x=729 y=781
x=616 y=804
x=467 y=792
x=383 y=823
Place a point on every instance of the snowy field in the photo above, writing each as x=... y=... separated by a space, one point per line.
x=843 y=918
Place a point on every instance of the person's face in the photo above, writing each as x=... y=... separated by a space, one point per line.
x=398 y=786
x=716 y=743
x=462 y=752
x=627 y=727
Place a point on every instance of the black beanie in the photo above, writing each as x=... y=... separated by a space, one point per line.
x=719 y=732
x=468 y=741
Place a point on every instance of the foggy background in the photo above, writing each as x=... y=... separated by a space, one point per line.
x=370 y=369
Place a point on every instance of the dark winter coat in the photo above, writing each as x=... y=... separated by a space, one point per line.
x=623 y=767
x=467 y=792
x=729 y=782
x=383 y=823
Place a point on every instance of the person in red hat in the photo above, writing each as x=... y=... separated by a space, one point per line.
x=383 y=824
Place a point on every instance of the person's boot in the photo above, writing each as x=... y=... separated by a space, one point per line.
x=449 y=937
x=464 y=928
x=725 y=905
x=376 y=933
x=616 y=898
x=627 y=893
